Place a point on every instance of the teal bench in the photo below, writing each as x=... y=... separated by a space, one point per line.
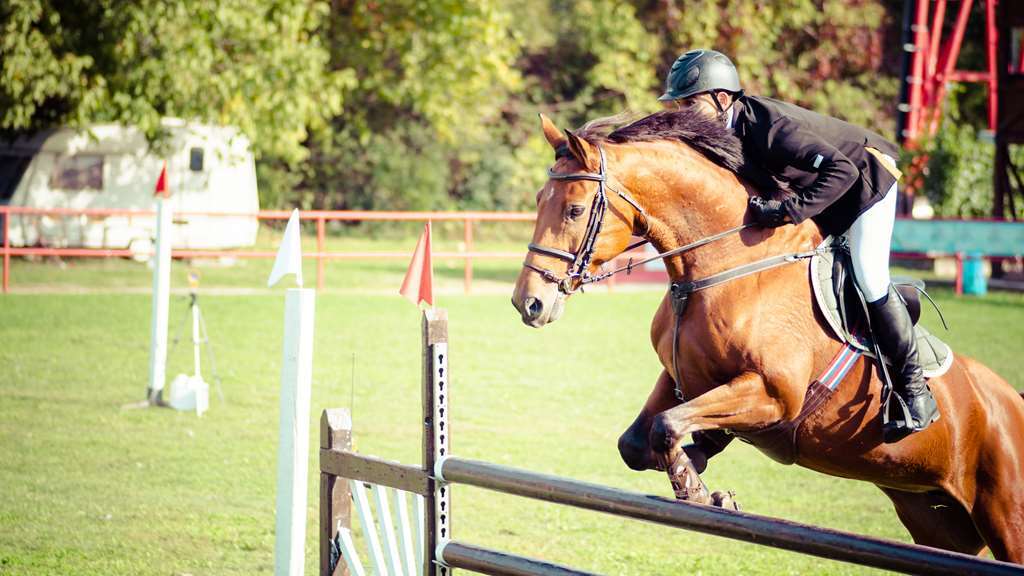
x=967 y=240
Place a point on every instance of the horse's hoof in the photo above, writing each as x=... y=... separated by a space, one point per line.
x=725 y=500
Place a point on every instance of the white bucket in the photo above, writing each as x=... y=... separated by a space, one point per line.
x=190 y=393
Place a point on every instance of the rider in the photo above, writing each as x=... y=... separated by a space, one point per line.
x=843 y=177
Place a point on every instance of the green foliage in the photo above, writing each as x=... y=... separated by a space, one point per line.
x=958 y=179
x=505 y=177
x=408 y=171
x=402 y=103
x=446 y=64
x=829 y=56
x=39 y=76
x=430 y=77
x=606 y=50
x=259 y=65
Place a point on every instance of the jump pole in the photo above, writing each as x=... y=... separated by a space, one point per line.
x=742 y=526
x=296 y=384
x=293 y=442
x=161 y=291
x=436 y=435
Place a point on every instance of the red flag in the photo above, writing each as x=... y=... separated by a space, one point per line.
x=418 y=285
x=161 y=184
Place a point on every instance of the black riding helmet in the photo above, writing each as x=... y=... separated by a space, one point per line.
x=700 y=71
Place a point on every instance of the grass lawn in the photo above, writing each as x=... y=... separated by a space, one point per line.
x=89 y=488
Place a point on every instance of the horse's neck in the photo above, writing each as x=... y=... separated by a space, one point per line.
x=687 y=198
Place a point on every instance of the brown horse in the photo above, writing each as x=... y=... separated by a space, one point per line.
x=752 y=345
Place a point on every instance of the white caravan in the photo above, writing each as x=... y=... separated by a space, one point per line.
x=209 y=169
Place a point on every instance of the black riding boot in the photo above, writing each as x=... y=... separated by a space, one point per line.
x=894 y=331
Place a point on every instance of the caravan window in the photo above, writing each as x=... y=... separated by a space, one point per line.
x=195 y=159
x=78 y=172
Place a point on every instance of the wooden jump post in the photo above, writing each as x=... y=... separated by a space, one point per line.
x=440 y=470
x=335 y=497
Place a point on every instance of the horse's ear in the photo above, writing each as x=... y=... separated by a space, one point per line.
x=551 y=132
x=583 y=152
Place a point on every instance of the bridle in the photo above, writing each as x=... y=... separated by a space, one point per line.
x=577 y=275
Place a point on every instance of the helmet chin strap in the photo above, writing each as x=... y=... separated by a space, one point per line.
x=723 y=113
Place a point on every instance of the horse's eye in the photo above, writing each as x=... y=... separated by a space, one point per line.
x=575 y=211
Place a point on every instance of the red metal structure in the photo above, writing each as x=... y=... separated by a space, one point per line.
x=931 y=49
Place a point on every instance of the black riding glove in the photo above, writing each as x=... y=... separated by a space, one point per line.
x=768 y=213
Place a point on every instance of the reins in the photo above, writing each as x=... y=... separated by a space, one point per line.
x=630 y=264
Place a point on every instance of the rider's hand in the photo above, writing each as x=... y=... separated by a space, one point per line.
x=768 y=213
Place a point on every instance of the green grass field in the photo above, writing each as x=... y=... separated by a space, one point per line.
x=89 y=488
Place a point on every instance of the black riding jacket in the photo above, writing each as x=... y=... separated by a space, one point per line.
x=822 y=160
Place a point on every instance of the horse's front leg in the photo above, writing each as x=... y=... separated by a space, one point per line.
x=742 y=403
x=635 y=446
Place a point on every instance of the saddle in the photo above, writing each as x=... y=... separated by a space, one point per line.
x=839 y=302
x=841 y=305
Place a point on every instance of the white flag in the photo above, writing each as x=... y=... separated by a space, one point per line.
x=289 y=254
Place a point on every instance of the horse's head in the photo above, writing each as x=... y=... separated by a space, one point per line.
x=584 y=218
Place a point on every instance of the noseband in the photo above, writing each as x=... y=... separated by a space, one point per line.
x=577 y=274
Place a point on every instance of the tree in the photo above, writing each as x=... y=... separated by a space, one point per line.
x=833 y=57
x=256 y=64
x=410 y=104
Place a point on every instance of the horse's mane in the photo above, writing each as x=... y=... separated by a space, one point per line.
x=705 y=135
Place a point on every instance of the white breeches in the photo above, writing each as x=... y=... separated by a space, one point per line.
x=870 y=238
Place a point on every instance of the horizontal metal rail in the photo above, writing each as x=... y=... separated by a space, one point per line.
x=321 y=217
x=487 y=561
x=342 y=215
x=763 y=530
x=251 y=254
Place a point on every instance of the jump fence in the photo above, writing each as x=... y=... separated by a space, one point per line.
x=428 y=547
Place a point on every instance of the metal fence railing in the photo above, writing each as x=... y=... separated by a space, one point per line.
x=912 y=239
x=320 y=217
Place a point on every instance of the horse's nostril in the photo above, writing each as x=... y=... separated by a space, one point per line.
x=534 y=308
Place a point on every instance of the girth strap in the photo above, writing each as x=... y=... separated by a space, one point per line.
x=680 y=294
